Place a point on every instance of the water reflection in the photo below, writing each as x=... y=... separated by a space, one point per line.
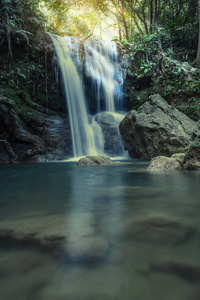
x=111 y=232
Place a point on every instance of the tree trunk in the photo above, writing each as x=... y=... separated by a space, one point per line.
x=151 y=17
x=118 y=22
x=198 y=49
x=160 y=50
x=159 y=68
x=124 y=22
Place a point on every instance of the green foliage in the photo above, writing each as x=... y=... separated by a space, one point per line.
x=22 y=74
x=23 y=101
x=179 y=78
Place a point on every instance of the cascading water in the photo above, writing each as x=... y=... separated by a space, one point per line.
x=106 y=83
x=107 y=80
x=83 y=140
x=106 y=86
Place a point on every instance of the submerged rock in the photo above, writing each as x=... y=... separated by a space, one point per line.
x=75 y=235
x=157 y=230
x=157 y=129
x=94 y=161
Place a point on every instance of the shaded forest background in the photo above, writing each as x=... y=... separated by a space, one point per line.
x=161 y=38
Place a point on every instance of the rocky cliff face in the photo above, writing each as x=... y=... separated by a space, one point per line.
x=43 y=138
x=33 y=115
x=157 y=128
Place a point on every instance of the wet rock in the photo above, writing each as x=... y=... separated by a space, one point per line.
x=157 y=230
x=162 y=163
x=51 y=139
x=192 y=155
x=14 y=130
x=94 y=161
x=179 y=157
x=110 y=128
x=56 y=135
x=190 y=160
x=157 y=129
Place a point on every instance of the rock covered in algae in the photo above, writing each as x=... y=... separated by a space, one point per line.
x=94 y=161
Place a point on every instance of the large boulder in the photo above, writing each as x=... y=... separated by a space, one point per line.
x=162 y=163
x=157 y=129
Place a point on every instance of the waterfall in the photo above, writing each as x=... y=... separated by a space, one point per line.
x=83 y=140
x=107 y=79
x=97 y=133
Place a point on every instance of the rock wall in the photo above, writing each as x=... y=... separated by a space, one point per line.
x=156 y=129
x=33 y=114
x=43 y=138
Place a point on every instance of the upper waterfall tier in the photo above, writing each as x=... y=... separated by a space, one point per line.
x=106 y=74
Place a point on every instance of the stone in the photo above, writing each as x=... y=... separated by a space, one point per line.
x=75 y=235
x=110 y=129
x=158 y=229
x=192 y=155
x=157 y=129
x=13 y=128
x=51 y=139
x=190 y=160
x=94 y=161
x=179 y=157
x=162 y=163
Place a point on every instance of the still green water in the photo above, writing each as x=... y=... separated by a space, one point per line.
x=149 y=222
